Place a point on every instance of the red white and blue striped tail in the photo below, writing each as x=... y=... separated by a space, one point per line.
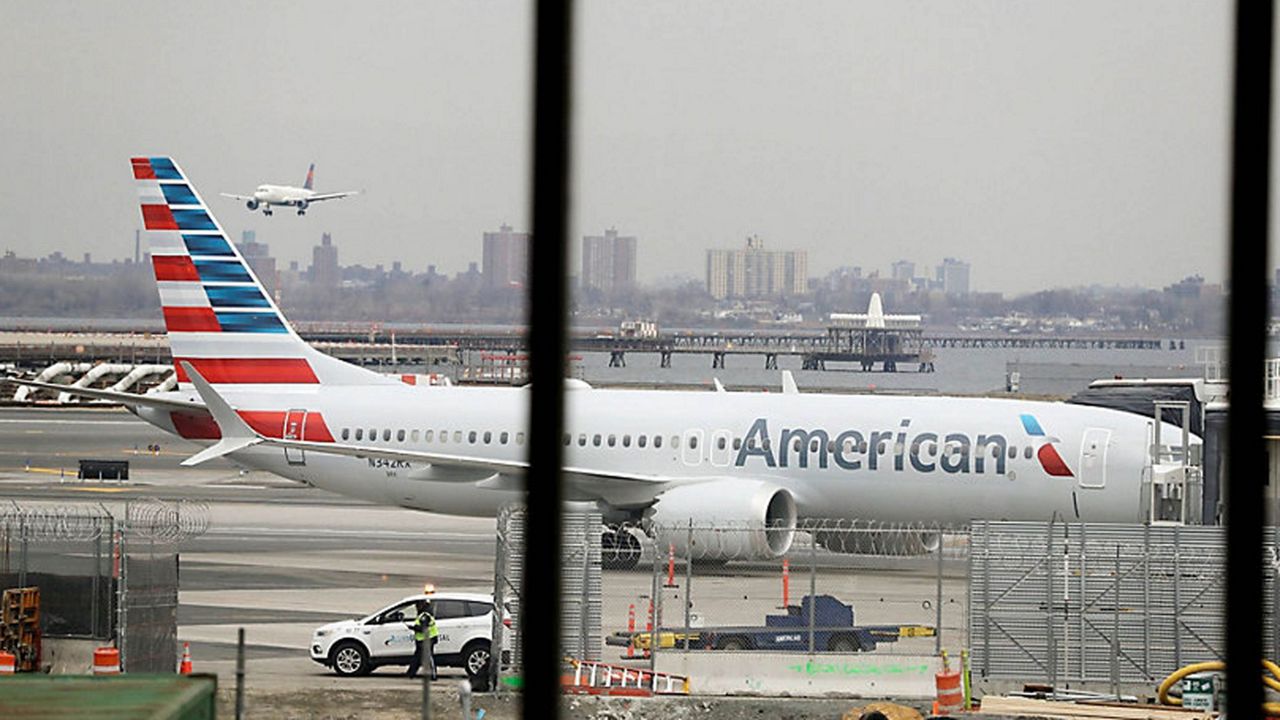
x=218 y=316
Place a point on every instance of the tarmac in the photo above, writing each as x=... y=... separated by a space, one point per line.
x=280 y=558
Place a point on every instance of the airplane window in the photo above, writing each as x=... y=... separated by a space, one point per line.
x=657 y=441
x=400 y=436
x=751 y=443
x=848 y=446
x=626 y=441
x=471 y=437
x=1013 y=451
x=567 y=439
x=386 y=435
x=488 y=437
x=373 y=434
x=1027 y=453
x=675 y=441
x=641 y=440
x=897 y=448
x=595 y=440
x=428 y=435
x=359 y=433
x=613 y=440
x=457 y=436
x=737 y=443
x=444 y=436
x=720 y=443
x=414 y=436
x=582 y=440
x=520 y=439
x=795 y=445
x=345 y=433
x=503 y=438
x=693 y=442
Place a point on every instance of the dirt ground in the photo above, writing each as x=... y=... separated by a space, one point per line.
x=405 y=705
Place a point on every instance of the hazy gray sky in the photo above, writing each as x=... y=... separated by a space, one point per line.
x=1048 y=143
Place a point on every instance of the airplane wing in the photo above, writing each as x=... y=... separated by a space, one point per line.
x=237 y=435
x=123 y=398
x=332 y=196
x=233 y=196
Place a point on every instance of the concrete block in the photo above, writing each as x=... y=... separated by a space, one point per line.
x=819 y=675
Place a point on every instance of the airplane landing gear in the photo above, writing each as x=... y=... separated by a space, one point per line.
x=302 y=212
x=266 y=211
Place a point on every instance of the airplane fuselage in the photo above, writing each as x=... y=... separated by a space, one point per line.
x=872 y=457
x=282 y=195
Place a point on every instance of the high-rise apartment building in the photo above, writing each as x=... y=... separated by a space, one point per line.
x=324 y=264
x=953 y=276
x=608 y=262
x=755 y=272
x=505 y=259
x=903 y=270
x=258 y=255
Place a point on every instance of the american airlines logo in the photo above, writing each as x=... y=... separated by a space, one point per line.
x=926 y=452
x=1047 y=454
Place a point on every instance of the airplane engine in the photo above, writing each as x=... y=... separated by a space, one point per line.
x=252 y=204
x=731 y=520
x=303 y=205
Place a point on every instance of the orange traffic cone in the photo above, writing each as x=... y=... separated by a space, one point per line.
x=185 y=667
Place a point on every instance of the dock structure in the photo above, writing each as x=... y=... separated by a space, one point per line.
x=866 y=341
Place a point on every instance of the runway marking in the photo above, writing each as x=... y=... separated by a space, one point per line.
x=328 y=533
x=47 y=471
x=100 y=489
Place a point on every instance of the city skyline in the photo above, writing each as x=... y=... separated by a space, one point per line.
x=1071 y=143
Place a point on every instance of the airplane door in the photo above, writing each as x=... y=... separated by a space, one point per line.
x=1093 y=458
x=721 y=448
x=295 y=427
x=692 y=447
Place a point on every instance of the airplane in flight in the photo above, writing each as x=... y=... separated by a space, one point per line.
x=253 y=391
x=269 y=196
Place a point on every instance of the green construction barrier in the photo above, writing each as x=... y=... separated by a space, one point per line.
x=127 y=697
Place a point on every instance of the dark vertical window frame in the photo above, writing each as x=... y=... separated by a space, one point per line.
x=1250 y=198
x=548 y=265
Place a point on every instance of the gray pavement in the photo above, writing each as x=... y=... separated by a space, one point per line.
x=280 y=558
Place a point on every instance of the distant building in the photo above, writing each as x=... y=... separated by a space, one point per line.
x=324 y=263
x=505 y=259
x=953 y=277
x=903 y=270
x=258 y=255
x=754 y=272
x=608 y=262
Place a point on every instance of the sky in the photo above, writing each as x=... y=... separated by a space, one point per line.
x=1049 y=144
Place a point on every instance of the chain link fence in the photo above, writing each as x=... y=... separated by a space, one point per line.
x=100 y=577
x=1071 y=602
x=837 y=587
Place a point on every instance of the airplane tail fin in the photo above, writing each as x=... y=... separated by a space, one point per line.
x=311 y=178
x=219 y=317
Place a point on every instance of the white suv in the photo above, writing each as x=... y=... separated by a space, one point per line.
x=356 y=647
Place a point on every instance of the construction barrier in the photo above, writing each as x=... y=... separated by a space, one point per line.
x=950 y=699
x=596 y=678
x=106 y=661
x=8 y=663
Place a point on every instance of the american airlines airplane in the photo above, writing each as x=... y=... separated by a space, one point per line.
x=269 y=196
x=253 y=391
